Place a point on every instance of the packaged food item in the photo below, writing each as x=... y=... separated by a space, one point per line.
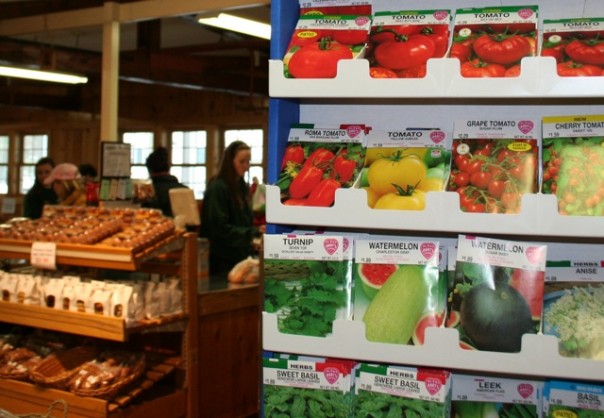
x=576 y=44
x=497 y=292
x=319 y=42
x=307 y=282
x=573 y=399
x=573 y=158
x=401 y=166
x=572 y=305
x=401 y=42
x=491 y=41
x=398 y=291
x=334 y=7
x=494 y=163
x=491 y=396
x=319 y=161
x=408 y=391
x=307 y=386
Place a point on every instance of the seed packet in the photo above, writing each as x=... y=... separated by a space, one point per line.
x=486 y=396
x=575 y=44
x=400 y=167
x=491 y=42
x=497 y=294
x=401 y=42
x=409 y=391
x=573 y=399
x=494 y=163
x=572 y=304
x=572 y=161
x=319 y=161
x=307 y=282
x=320 y=41
x=307 y=386
x=334 y=7
x=397 y=289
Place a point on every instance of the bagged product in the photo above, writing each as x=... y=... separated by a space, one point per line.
x=401 y=42
x=491 y=42
x=494 y=163
x=573 y=399
x=497 y=292
x=573 y=158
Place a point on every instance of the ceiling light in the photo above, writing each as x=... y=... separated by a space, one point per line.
x=42 y=75
x=238 y=24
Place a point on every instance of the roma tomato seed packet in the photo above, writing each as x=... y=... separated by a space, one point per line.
x=319 y=161
x=397 y=288
x=576 y=44
x=400 y=43
x=320 y=41
x=497 y=293
x=400 y=167
x=491 y=42
x=573 y=161
x=494 y=163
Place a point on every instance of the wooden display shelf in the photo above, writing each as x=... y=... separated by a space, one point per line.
x=85 y=324
x=100 y=256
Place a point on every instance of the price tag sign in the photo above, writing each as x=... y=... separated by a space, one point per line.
x=44 y=255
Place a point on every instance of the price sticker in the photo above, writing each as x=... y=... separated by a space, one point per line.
x=44 y=255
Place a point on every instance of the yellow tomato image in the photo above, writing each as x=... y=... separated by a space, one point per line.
x=372 y=196
x=396 y=201
x=431 y=185
x=374 y=154
x=405 y=171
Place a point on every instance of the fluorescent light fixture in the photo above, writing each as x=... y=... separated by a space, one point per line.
x=238 y=24
x=42 y=75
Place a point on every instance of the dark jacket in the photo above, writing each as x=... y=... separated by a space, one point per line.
x=36 y=198
x=227 y=226
x=162 y=183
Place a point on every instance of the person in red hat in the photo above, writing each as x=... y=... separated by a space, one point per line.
x=67 y=183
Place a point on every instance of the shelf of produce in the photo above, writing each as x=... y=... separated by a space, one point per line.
x=99 y=256
x=538 y=78
x=539 y=356
x=539 y=216
x=85 y=324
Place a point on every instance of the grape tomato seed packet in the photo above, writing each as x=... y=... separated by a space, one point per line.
x=494 y=163
x=409 y=391
x=320 y=41
x=402 y=166
x=401 y=42
x=491 y=42
x=573 y=399
x=318 y=161
x=572 y=304
x=573 y=162
x=397 y=288
x=575 y=44
x=497 y=292
x=307 y=283
x=487 y=396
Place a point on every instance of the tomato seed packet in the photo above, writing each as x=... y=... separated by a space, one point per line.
x=488 y=396
x=335 y=7
x=572 y=399
x=408 y=391
x=573 y=159
x=306 y=386
x=572 y=305
x=497 y=292
x=307 y=282
x=398 y=291
x=318 y=161
x=400 y=167
x=400 y=43
x=576 y=44
x=491 y=42
x=320 y=41
x=494 y=163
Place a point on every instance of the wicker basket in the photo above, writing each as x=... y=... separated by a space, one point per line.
x=18 y=369
x=136 y=369
x=56 y=369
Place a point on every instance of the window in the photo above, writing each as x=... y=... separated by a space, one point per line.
x=255 y=139
x=4 y=146
x=141 y=145
x=189 y=150
x=34 y=148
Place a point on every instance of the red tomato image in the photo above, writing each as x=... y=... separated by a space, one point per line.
x=318 y=60
x=477 y=68
x=575 y=69
x=381 y=72
x=381 y=34
x=587 y=51
x=502 y=49
x=405 y=52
